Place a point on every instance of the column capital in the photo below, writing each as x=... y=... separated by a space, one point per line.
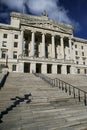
x=43 y=33
x=61 y=36
x=53 y=35
x=33 y=31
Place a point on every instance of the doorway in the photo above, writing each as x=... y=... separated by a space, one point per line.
x=38 y=68
x=49 y=68
x=59 y=69
x=68 y=69
x=26 y=67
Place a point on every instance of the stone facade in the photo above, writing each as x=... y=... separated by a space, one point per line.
x=39 y=44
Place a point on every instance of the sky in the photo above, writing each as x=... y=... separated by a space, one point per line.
x=73 y=12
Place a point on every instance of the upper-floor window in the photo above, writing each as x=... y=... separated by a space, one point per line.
x=4 y=43
x=16 y=36
x=76 y=52
x=3 y=54
x=77 y=62
x=82 y=47
x=4 y=35
x=82 y=53
x=15 y=55
x=84 y=63
x=75 y=46
x=15 y=44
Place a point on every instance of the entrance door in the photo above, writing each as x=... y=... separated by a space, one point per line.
x=68 y=69
x=49 y=68
x=26 y=67
x=38 y=68
x=58 y=69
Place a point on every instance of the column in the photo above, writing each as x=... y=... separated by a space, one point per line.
x=53 y=46
x=43 y=45
x=22 y=43
x=20 y=67
x=64 y=71
x=32 y=67
x=54 y=69
x=70 y=47
x=32 y=44
x=44 y=68
x=62 y=47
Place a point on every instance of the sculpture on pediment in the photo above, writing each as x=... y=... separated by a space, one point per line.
x=44 y=13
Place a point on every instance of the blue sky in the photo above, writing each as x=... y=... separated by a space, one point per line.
x=72 y=12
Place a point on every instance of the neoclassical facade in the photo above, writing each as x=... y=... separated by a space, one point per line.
x=39 y=44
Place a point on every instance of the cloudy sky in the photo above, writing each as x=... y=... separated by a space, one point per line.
x=73 y=12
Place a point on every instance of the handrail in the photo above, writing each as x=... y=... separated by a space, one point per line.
x=65 y=86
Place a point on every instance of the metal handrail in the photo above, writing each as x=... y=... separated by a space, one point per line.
x=65 y=86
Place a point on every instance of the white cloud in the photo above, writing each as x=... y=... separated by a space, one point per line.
x=52 y=7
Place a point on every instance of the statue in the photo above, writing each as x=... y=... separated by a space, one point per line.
x=44 y=13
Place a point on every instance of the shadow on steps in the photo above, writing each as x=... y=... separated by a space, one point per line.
x=17 y=100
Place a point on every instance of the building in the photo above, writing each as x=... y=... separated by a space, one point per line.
x=37 y=43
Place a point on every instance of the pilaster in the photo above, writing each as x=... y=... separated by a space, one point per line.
x=43 y=45
x=62 y=47
x=53 y=46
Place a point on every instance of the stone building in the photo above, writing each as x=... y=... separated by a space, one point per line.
x=39 y=44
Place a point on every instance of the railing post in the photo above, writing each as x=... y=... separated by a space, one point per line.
x=62 y=86
x=79 y=95
x=69 y=90
x=65 y=87
x=85 y=98
x=59 y=85
x=74 y=92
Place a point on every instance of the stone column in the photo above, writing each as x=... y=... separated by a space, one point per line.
x=43 y=45
x=32 y=43
x=44 y=68
x=22 y=43
x=62 y=47
x=64 y=71
x=70 y=47
x=54 y=69
x=53 y=46
x=32 y=67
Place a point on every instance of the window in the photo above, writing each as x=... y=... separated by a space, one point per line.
x=77 y=62
x=75 y=46
x=76 y=52
x=85 y=71
x=13 y=67
x=78 y=71
x=15 y=36
x=4 y=44
x=82 y=47
x=84 y=63
x=14 y=55
x=4 y=35
x=82 y=53
x=15 y=44
x=3 y=55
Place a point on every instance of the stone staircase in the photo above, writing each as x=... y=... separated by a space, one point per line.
x=49 y=109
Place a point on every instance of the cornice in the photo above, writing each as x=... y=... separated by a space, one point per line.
x=76 y=39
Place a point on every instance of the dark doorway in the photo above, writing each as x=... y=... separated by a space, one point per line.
x=68 y=69
x=49 y=68
x=38 y=68
x=26 y=67
x=59 y=69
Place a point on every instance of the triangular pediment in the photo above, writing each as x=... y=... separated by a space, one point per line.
x=48 y=25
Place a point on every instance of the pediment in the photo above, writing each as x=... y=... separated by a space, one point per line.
x=47 y=24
